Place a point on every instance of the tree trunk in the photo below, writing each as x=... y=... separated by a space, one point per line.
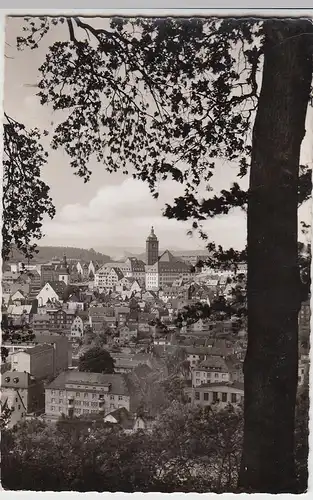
x=271 y=363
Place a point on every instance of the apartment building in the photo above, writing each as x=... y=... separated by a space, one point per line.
x=78 y=393
x=37 y=361
x=25 y=390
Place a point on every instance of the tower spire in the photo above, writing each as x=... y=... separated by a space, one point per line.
x=152 y=248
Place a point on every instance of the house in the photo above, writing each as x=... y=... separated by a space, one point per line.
x=41 y=322
x=76 y=393
x=77 y=328
x=197 y=354
x=26 y=390
x=18 y=297
x=12 y=402
x=212 y=369
x=38 y=361
x=100 y=317
x=108 y=277
x=19 y=315
x=124 y=365
x=62 y=349
x=121 y=417
x=126 y=334
x=61 y=320
x=53 y=291
x=121 y=315
x=8 y=277
x=143 y=423
x=220 y=393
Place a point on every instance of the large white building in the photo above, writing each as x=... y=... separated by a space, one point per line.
x=75 y=393
x=38 y=361
x=163 y=270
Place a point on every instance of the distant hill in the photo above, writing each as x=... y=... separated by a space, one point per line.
x=47 y=253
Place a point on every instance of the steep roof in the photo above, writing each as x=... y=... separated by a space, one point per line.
x=167 y=257
x=119 y=273
x=58 y=286
x=213 y=363
x=101 y=311
x=177 y=266
x=67 y=377
x=19 y=310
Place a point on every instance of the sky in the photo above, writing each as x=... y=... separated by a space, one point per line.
x=111 y=209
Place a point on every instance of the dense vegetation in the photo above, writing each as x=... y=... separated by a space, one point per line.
x=46 y=253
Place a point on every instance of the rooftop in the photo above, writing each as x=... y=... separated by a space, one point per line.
x=74 y=377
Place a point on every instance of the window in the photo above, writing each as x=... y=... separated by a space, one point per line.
x=120 y=398
x=224 y=397
x=19 y=407
x=77 y=394
x=215 y=397
x=206 y=396
x=223 y=375
x=111 y=397
x=86 y=395
x=86 y=403
x=234 y=398
x=52 y=408
x=112 y=407
x=60 y=393
x=94 y=396
x=216 y=375
x=197 y=395
x=52 y=392
x=52 y=400
x=94 y=404
x=60 y=408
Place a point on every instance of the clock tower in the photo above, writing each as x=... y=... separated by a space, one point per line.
x=152 y=248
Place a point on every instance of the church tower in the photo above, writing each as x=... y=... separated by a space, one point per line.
x=152 y=248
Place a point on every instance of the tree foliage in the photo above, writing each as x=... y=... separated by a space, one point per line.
x=166 y=98
x=96 y=360
x=185 y=90
x=26 y=199
x=170 y=458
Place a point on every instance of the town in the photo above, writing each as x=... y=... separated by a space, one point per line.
x=90 y=342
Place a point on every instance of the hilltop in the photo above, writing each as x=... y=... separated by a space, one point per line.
x=46 y=253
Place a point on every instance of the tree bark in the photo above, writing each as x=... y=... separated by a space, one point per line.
x=271 y=363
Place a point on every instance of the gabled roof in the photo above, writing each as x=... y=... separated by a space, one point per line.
x=118 y=272
x=101 y=311
x=19 y=310
x=58 y=286
x=213 y=363
x=167 y=257
x=8 y=400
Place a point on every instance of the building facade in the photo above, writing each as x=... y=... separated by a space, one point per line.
x=77 y=393
x=38 y=361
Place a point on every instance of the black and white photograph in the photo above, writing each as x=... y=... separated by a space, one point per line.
x=156 y=253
